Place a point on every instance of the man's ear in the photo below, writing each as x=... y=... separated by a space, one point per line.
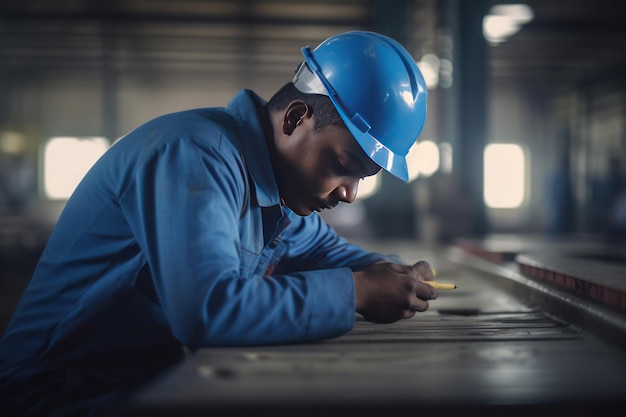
x=295 y=113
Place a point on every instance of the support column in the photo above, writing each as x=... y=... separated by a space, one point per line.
x=466 y=104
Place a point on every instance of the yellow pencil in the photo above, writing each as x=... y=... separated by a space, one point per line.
x=440 y=285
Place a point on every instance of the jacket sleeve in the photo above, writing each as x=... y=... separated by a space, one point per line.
x=184 y=208
x=313 y=245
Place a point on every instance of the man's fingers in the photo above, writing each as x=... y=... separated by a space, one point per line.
x=407 y=314
x=425 y=292
x=419 y=305
x=424 y=271
x=401 y=269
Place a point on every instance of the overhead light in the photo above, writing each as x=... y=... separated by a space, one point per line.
x=505 y=20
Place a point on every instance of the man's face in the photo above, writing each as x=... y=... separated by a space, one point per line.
x=315 y=171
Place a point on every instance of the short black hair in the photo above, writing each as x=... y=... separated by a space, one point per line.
x=322 y=108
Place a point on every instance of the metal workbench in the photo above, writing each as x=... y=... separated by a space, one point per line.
x=503 y=343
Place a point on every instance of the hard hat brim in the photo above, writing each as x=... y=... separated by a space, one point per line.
x=382 y=156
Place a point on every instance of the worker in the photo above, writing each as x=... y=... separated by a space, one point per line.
x=201 y=228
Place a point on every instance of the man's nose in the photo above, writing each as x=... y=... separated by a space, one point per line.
x=347 y=191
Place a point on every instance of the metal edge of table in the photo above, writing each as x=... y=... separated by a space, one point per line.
x=604 y=322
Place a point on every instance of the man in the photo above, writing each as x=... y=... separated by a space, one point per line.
x=199 y=229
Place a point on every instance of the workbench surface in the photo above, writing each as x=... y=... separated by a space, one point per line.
x=478 y=350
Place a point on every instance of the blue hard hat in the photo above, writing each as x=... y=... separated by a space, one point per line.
x=377 y=89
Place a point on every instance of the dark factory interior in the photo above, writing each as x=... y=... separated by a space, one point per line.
x=516 y=191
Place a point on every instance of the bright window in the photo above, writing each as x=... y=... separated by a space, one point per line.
x=504 y=176
x=368 y=186
x=66 y=160
x=423 y=159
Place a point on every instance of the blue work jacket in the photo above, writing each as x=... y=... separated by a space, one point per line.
x=176 y=238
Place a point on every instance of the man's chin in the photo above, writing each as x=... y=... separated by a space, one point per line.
x=300 y=210
x=303 y=212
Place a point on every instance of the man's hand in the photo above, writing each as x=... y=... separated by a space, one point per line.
x=387 y=292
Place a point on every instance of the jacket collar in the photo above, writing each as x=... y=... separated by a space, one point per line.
x=246 y=107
